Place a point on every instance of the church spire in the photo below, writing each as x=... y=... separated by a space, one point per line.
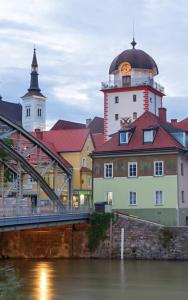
x=34 y=85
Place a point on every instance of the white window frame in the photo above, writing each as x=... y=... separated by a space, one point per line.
x=116 y=117
x=39 y=112
x=130 y=199
x=127 y=133
x=149 y=131
x=135 y=115
x=182 y=196
x=105 y=170
x=155 y=169
x=129 y=165
x=116 y=99
x=84 y=162
x=107 y=197
x=161 y=202
x=89 y=181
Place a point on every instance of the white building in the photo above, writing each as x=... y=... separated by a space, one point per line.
x=34 y=102
x=131 y=89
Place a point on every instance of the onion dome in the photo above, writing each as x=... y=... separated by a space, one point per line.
x=138 y=59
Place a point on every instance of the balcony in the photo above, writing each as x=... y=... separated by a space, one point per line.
x=132 y=83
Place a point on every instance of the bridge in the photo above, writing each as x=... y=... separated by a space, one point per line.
x=35 y=182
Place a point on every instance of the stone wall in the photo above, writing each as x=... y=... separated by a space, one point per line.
x=143 y=240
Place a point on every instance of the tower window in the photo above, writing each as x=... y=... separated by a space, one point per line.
x=116 y=99
x=134 y=98
x=134 y=115
x=116 y=117
x=39 y=112
x=28 y=111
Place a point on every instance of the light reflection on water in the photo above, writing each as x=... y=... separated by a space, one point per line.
x=102 y=279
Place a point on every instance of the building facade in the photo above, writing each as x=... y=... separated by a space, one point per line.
x=34 y=102
x=142 y=170
x=131 y=89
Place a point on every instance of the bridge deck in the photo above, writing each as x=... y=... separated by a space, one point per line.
x=35 y=221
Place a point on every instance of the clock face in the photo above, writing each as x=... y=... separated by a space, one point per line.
x=125 y=68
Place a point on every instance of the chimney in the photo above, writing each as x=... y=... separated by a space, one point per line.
x=39 y=134
x=162 y=114
x=174 y=122
x=88 y=121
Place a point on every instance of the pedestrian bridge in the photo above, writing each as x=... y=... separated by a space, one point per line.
x=35 y=220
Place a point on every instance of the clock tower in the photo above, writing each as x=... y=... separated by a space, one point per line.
x=131 y=89
x=34 y=102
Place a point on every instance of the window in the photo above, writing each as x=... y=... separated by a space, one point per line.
x=134 y=115
x=132 y=169
x=124 y=137
x=182 y=169
x=150 y=99
x=116 y=99
x=39 y=112
x=132 y=198
x=116 y=117
x=108 y=170
x=158 y=168
x=88 y=148
x=134 y=98
x=148 y=136
x=84 y=163
x=28 y=111
x=158 y=197
x=182 y=197
x=109 y=197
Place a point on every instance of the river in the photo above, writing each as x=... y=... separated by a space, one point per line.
x=63 y=279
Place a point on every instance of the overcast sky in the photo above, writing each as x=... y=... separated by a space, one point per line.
x=76 y=40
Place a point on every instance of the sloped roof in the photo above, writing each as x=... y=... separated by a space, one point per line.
x=182 y=124
x=96 y=125
x=66 y=140
x=163 y=138
x=98 y=139
x=63 y=124
x=11 y=111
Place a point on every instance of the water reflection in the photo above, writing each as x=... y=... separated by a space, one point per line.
x=43 y=281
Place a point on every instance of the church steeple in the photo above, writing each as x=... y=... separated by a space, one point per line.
x=34 y=85
x=34 y=102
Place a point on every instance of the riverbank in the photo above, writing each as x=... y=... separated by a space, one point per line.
x=142 y=240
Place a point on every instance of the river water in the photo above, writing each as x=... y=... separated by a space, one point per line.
x=101 y=279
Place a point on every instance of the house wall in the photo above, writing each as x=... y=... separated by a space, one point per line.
x=145 y=185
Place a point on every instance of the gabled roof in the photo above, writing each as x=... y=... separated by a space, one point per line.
x=182 y=124
x=63 y=124
x=163 y=139
x=96 y=125
x=98 y=139
x=11 y=111
x=68 y=140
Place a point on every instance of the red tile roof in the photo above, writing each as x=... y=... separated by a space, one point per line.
x=182 y=124
x=163 y=139
x=96 y=125
x=63 y=124
x=67 y=140
x=98 y=139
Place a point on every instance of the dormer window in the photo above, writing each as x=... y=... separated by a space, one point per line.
x=149 y=135
x=125 y=135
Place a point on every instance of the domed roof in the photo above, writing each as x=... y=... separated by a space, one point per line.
x=137 y=58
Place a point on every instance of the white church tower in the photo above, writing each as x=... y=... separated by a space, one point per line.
x=131 y=89
x=34 y=102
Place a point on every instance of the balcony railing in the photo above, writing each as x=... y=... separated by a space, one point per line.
x=133 y=83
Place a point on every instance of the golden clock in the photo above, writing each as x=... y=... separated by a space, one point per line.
x=125 y=68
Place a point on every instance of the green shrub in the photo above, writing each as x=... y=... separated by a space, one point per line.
x=99 y=223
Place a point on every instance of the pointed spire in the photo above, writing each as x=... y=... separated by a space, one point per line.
x=34 y=65
x=34 y=86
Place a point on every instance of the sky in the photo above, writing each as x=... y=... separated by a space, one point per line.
x=76 y=41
